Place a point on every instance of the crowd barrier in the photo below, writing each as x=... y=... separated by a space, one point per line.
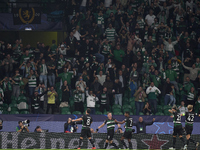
x=16 y=140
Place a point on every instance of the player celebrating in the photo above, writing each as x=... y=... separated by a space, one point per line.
x=177 y=126
x=128 y=129
x=110 y=130
x=86 y=122
x=189 y=120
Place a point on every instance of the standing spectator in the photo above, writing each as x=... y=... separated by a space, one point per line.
x=104 y=99
x=65 y=92
x=7 y=89
x=41 y=89
x=191 y=97
x=17 y=79
x=32 y=82
x=110 y=33
x=172 y=96
x=152 y=92
x=60 y=63
x=91 y=101
x=96 y=87
x=51 y=102
x=82 y=85
x=43 y=72
x=51 y=71
x=78 y=102
x=172 y=75
x=182 y=108
x=101 y=77
x=132 y=86
x=169 y=46
x=108 y=84
x=118 y=56
x=118 y=92
x=8 y=65
x=149 y=19
x=140 y=96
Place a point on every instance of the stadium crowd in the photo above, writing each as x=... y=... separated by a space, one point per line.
x=140 y=56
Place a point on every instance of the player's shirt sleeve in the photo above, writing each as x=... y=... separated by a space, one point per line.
x=105 y=122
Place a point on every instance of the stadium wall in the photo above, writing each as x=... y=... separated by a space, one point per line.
x=70 y=141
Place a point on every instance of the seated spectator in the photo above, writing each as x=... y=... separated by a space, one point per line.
x=21 y=127
x=141 y=125
x=140 y=96
x=182 y=108
x=152 y=92
x=70 y=127
x=51 y=102
x=147 y=109
x=91 y=101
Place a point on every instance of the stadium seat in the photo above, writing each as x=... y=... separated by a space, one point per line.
x=126 y=106
x=66 y=113
x=14 y=112
x=5 y=112
x=24 y=112
x=159 y=114
x=98 y=113
x=77 y=113
x=141 y=113
x=159 y=108
x=132 y=104
x=167 y=113
x=116 y=110
x=117 y=113
x=166 y=107
x=132 y=99
x=115 y=106
x=64 y=109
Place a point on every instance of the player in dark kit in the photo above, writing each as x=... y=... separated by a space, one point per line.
x=128 y=129
x=86 y=122
x=189 y=120
x=110 y=122
x=177 y=126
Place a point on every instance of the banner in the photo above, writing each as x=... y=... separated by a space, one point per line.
x=26 y=15
x=17 y=140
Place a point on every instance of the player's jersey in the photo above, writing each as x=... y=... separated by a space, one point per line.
x=87 y=120
x=128 y=123
x=110 y=124
x=177 y=119
x=189 y=118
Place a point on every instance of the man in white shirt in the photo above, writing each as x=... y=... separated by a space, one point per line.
x=101 y=77
x=83 y=6
x=82 y=85
x=149 y=19
x=182 y=108
x=91 y=101
x=107 y=3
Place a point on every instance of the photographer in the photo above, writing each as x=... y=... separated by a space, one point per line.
x=21 y=127
x=38 y=129
x=70 y=127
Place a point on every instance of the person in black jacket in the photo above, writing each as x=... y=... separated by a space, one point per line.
x=118 y=92
x=141 y=125
x=70 y=127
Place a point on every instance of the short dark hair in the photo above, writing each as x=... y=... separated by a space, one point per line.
x=19 y=122
x=88 y=110
x=127 y=112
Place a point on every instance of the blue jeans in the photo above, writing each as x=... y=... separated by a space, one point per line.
x=118 y=99
x=175 y=85
x=31 y=90
x=43 y=79
x=153 y=104
x=51 y=79
x=172 y=100
x=100 y=57
x=139 y=106
x=167 y=97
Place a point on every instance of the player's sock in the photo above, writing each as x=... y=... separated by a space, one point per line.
x=113 y=144
x=182 y=139
x=130 y=145
x=92 y=142
x=122 y=141
x=174 y=142
x=193 y=141
x=106 y=145
x=80 y=141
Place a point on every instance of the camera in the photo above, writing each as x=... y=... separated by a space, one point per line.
x=26 y=123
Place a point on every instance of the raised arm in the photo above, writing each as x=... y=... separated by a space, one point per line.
x=79 y=119
x=103 y=124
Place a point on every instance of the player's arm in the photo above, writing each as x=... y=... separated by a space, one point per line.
x=122 y=122
x=170 y=111
x=103 y=124
x=79 y=119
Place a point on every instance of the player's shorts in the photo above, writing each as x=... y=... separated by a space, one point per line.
x=110 y=134
x=128 y=134
x=85 y=132
x=188 y=129
x=178 y=130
